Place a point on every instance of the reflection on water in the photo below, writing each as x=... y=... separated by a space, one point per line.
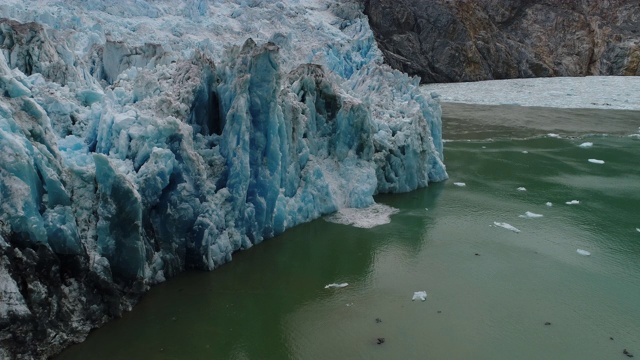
x=490 y=290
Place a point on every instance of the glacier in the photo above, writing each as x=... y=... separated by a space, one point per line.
x=140 y=138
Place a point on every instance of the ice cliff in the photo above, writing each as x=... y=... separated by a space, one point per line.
x=140 y=138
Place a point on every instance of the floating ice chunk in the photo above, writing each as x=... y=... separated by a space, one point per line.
x=585 y=145
x=484 y=147
x=573 y=202
x=461 y=184
x=638 y=229
x=336 y=286
x=549 y=203
x=596 y=161
x=525 y=152
x=372 y=216
x=419 y=295
x=531 y=215
x=506 y=226
x=583 y=252
x=522 y=188
x=557 y=136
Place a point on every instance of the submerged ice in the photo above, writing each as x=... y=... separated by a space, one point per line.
x=143 y=138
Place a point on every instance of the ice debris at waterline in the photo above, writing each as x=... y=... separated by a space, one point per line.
x=573 y=202
x=583 y=252
x=419 y=295
x=552 y=135
x=531 y=215
x=596 y=161
x=506 y=226
x=369 y=217
x=139 y=139
x=460 y=184
x=336 y=286
x=586 y=145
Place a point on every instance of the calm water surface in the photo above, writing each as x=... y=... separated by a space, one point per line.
x=270 y=302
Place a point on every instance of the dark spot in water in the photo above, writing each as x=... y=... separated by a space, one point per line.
x=547 y=323
x=439 y=311
x=477 y=254
x=627 y=353
x=378 y=320
x=381 y=340
x=610 y=338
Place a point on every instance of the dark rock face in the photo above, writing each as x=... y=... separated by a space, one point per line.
x=471 y=40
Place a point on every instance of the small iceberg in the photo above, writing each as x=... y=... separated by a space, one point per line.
x=336 y=286
x=551 y=135
x=506 y=226
x=585 y=145
x=531 y=215
x=365 y=218
x=583 y=252
x=549 y=204
x=419 y=295
x=461 y=184
x=573 y=202
x=522 y=188
x=596 y=161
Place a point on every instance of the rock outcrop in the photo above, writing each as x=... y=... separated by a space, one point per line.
x=471 y=40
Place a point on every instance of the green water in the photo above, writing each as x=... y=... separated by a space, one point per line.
x=270 y=302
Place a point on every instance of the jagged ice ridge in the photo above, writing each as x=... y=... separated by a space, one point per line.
x=140 y=138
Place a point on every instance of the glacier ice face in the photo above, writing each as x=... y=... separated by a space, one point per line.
x=142 y=138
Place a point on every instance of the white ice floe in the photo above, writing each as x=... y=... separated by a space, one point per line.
x=419 y=295
x=522 y=188
x=557 y=136
x=638 y=229
x=573 y=202
x=585 y=145
x=525 y=152
x=601 y=92
x=596 y=161
x=506 y=226
x=531 y=215
x=336 y=286
x=372 y=216
x=583 y=252
x=549 y=203
x=461 y=184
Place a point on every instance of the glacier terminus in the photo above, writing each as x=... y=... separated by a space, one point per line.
x=142 y=138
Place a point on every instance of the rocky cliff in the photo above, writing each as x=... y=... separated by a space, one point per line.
x=471 y=40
